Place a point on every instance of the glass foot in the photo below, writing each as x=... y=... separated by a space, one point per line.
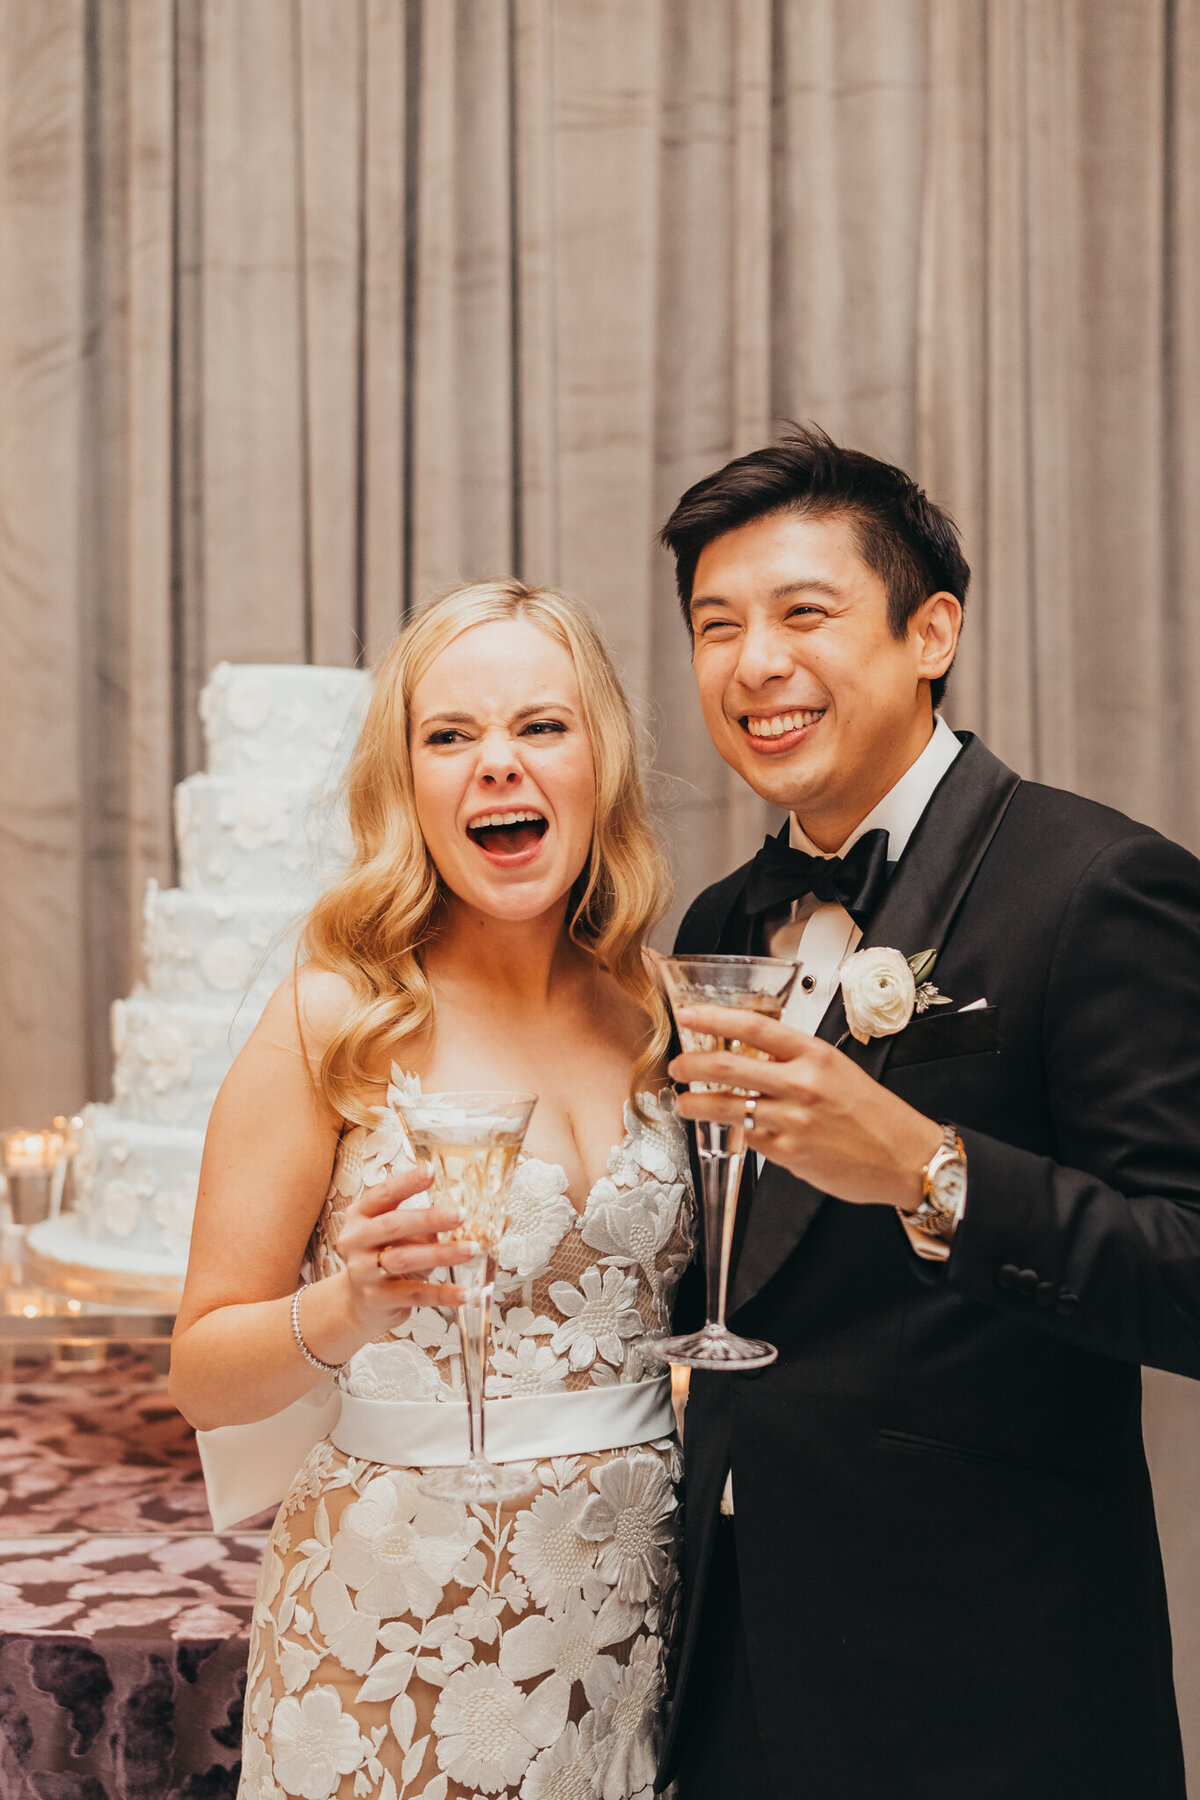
x=715 y=1347
x=481 y=1483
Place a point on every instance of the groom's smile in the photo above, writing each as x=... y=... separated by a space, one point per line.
x=806 y=689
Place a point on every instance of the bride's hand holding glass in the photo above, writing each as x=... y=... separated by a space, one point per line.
x=390 y=1250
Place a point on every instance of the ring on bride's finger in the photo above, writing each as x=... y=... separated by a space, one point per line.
x=748 y=1114
x=379 y=1260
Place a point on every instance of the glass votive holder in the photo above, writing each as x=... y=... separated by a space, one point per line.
x=32 y=1163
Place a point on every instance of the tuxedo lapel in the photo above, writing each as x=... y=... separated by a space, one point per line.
x=915 y=913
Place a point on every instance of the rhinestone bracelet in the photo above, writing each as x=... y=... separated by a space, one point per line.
x=302 y=1347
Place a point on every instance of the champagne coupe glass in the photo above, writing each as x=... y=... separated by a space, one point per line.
x=472 y=1142
x=759 y=984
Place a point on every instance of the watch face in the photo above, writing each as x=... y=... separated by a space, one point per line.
x=949 y=1184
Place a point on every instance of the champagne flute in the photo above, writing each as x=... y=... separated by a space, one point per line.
x=472 y=1142
x=759 y=984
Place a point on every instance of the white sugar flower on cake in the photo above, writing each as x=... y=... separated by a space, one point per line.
x=227 y=964
x=247 y=703
x=255 y=817
x=119 y=1208
x=172 y=1211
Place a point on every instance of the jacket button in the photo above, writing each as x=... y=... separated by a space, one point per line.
x=1046 y=1293
x=1027 y=1281
x=1067 y=1304
x=1006 y=1276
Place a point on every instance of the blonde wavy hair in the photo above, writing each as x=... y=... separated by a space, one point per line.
x=373 y=923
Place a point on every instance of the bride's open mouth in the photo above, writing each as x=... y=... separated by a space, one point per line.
x=508 y=837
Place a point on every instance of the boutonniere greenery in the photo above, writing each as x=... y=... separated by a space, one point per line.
x=882 y=989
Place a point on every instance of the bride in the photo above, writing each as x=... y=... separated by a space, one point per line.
x=487 y=935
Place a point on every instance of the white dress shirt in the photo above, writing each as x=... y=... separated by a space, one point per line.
x=820 y=934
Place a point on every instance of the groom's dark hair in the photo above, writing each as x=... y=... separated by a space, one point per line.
x=912 y=545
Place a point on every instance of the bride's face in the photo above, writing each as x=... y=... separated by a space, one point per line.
x=502 y=769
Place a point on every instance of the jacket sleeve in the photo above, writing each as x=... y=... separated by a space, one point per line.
x=1102 y=1244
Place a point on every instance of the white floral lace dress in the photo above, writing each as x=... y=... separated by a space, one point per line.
x=413 y=1649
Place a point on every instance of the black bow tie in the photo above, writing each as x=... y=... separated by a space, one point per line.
x=779 y=874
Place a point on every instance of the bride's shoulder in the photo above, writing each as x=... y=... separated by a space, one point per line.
x=311 y=1006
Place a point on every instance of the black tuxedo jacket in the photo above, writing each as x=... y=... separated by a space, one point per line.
x=949 y=1568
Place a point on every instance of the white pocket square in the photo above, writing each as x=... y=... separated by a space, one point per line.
x=975 y=1006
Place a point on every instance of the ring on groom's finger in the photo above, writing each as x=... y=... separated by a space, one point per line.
x=748 y=1114
x=379 y=1259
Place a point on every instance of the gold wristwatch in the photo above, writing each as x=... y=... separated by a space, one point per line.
x=931 y=1226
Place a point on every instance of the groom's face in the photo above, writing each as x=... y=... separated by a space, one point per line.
x=806 y=691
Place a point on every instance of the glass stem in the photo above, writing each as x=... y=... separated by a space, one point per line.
x=474 y=1319
x=722 y=1154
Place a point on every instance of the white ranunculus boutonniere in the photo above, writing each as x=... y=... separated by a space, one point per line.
x=883 y=988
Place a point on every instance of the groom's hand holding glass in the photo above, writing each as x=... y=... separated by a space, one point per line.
x=818 y=1115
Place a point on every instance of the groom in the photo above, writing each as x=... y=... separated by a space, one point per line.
x=920 y=1557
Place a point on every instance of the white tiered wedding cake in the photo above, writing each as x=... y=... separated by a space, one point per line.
x=257 y=835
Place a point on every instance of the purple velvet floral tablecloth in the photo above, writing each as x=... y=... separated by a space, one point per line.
x=123 y=1616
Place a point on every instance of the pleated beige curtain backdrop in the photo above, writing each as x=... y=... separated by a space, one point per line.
x=311 y=307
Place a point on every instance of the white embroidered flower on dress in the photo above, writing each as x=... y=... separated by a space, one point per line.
x=632 y=1229
x=385 y=1142
x=403 y=1086
x=618 y=1739
x=486 y=1730
x=314 y=1743
x=601 y=1316
x=258 y=1775
x=397 y=1370
x=397 y=1548
x=656 y=1146
x=532 y=1369
x=548 y=1552
x=630 y=1518
x=559 y=1773
x=351 y=1634
x=539 y=1217
x=569 y=1644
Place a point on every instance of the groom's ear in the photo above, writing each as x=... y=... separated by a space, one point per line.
x=933 y=630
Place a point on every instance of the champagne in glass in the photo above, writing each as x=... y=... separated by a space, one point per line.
x=472 y=1142
x=759 y=984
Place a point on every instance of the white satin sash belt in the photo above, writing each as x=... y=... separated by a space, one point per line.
x=524 y=1428
x=250 y=1467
